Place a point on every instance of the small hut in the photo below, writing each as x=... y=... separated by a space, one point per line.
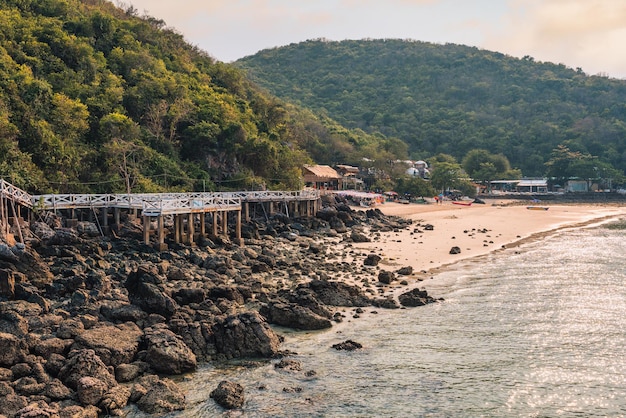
x=321 y=177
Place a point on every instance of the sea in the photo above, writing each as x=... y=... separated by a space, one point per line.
x=533 y=331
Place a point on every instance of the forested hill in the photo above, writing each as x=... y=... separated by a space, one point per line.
x=452 y=98
x=98 y=98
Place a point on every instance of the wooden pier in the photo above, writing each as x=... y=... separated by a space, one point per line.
x=186 y=209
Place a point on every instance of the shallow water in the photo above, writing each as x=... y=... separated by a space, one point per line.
x=537 y=331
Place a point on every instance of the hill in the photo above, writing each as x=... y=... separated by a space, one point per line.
x=97 y=98
x=451 y=98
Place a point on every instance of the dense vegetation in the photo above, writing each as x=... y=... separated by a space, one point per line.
x=96 y=98
x=453 y=99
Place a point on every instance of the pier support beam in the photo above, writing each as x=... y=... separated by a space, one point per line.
x=146 y=230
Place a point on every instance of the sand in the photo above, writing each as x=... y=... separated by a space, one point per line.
x=477 y=230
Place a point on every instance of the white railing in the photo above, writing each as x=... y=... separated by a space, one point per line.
x=15 y=193
x=157 y=203
x=198 y=204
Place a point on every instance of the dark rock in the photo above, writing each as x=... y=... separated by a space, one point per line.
x=167 y=353
x=415 y=297
x=288 y=364
x=115 y=399
x=455 y=250
x=372 y=260
x=11 y=403
x=188 y=295
x=83 y=363
x=56 y=390
x=121 y=311
x=338 y=293
x=114 y=344
x=359 y=237
x=150 y=298
x=294 y=316
x=405 y=271
x=129 y=372
x=347 y=345
x=386 y=303
x=12 y=351
x=229 y=395
x=70 y=328
x=386 y=277
x=160 y=396
x=90 y=390
x=7 y=283
x=245 y=335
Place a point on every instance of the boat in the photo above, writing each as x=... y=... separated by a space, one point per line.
x=456 y=202
x=537 y=207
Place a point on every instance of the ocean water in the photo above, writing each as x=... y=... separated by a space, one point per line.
x=536 y=331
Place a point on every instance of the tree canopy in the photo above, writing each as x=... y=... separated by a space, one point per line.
x=451 y=98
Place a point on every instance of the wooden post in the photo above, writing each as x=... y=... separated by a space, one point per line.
x=177 y=229
x=116 y=215
x=215 y=224
x=190 y=228
x=238 y=229
x=161 y=231
x=224 y=223
x=246 y=208
x=105 y=216
x=146 y=230
x=202 y=224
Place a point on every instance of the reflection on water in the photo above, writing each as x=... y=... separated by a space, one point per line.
x=539 y=332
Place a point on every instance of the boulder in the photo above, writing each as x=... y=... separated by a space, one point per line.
x=338 y=293
x=7 y=283
x=415 y=297
x=167 y=353
x=143 y=291
x=455 y=250
x=405 y=271
x=294 y=316
x=347 y=345
x=159 y=396
x=356 y=236
x=115 y=399
x=81 y=363
x=114 y=344
x=229 y=395
x=90 y=390
x=372 y=260
x=13 y=349
x=245 y=335
x=386 y=277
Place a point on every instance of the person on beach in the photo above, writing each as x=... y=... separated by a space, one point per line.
x=440 y=198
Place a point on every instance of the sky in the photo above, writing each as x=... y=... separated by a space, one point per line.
x=586 y=34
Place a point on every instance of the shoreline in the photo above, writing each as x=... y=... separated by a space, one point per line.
x=477 y=231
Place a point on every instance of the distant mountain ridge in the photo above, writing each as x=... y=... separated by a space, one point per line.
x=451 y=98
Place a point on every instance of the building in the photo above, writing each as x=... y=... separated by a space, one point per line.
x=322 y=177
x=532 y=186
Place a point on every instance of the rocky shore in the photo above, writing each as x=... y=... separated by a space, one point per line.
x=89 y=324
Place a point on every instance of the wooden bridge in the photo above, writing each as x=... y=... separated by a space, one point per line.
x=185 y=208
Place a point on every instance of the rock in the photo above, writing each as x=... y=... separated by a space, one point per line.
x=455 y=250
x=161 y=396
x=116 y=398
x=46 y=347
x=347 y=345
x=12 y=351
x=70 y=328
x=41 y=230
x=7 y=283
x=229 y=395
x=338 y=293
x=117 y=311
x=90 y=390
x=83 y=363
x=405 y=271
x=152 y=300
x=294 y=316
x=386 y=277
x=114 y=344
x=167 y=353
x=56 y=390
x=245 y=335
x=372 y=260
x=288 y=364
x=188 y=295
x=129 y=372
x=64 y=237
x=415 y=297
x=11 y=403
x=359 y=237
x=89 y=229
x=37 y=410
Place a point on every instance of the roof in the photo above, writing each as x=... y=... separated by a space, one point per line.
x=322 y=171
x=530 y=183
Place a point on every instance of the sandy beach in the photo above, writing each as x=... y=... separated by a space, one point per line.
x=476 y=230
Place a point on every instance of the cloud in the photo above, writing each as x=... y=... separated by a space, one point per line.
x=578 y=33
